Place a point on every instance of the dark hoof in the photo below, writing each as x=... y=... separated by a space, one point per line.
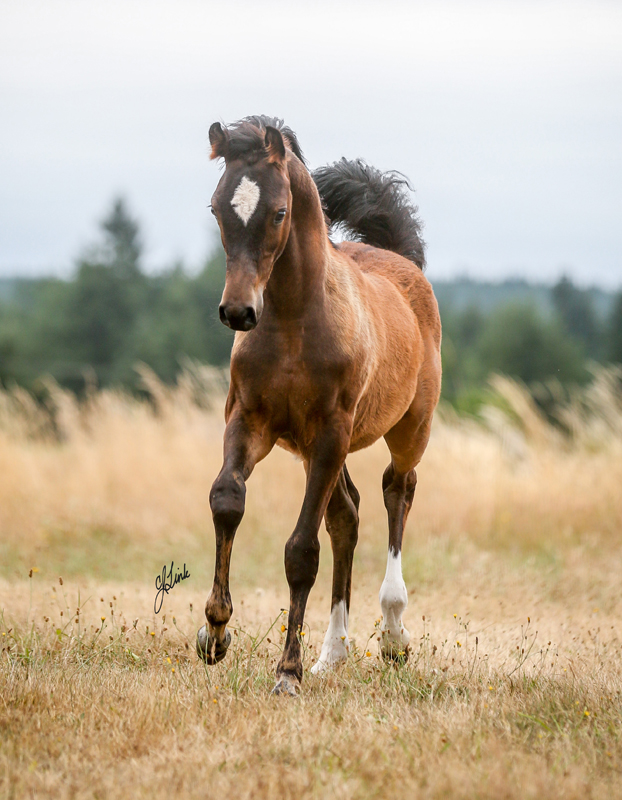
x=210 y=650
x=287 y=686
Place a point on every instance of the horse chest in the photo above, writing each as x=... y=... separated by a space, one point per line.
x=290 y=366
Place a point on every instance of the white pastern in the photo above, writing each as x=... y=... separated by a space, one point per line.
x=393 y=601
x=336 y=645
x=245 y=199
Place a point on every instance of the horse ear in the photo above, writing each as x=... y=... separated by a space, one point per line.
x=219 y=139
x=275 y=146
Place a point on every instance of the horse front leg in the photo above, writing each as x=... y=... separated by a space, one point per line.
x=245 y=443
x=302 y=551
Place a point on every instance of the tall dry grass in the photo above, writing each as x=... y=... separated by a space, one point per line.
x=141 y=470
x=513 y=559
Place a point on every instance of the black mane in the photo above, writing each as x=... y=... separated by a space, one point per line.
x=247 y=136
x=372 y=207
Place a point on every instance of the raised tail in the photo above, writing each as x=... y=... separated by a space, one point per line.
x=371 y=207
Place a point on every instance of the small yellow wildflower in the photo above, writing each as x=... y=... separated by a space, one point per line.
x=490 y=688
x=586 y=713
x=169 y=660
x=458 y=643
x=215 y=701
x=153 y=633
x=455 y=616
x=282 y=628
x=103 y=619
x=368 y=654
x=343 y=638
x=172 y=669
x=302 y=633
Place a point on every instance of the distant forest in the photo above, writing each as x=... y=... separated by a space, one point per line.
x=111 y=315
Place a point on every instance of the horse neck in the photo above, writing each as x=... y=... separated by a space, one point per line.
x=297 y=277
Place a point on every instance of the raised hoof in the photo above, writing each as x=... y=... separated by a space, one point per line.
x=286 y=686
x=210 y=650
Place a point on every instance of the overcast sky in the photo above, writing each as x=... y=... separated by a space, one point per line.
x=506 y=117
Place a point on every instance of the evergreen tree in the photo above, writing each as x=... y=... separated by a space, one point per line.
x=105 y=301
x=122 y=247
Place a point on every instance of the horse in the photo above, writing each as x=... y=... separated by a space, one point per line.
x=336 y=345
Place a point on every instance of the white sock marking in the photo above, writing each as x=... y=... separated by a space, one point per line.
x=336 y=645
x=245 y=199
x=393 y=601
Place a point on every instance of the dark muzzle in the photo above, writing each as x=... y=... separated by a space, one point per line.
x=238 y=318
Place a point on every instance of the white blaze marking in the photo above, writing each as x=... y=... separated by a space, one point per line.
x=245 y=199
x=393 y=601
x=336 y=645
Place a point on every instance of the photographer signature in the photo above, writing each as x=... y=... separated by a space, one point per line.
x=165 y=582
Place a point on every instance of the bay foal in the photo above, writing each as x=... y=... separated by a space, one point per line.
x=336 y=346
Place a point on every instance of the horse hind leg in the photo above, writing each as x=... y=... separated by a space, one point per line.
x=342 y=523
x=407 y=442
x=398 y=492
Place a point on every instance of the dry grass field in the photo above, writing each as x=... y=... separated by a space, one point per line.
x=513 y=561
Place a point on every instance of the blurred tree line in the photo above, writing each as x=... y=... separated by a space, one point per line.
x=111 y=315
x=528 y=341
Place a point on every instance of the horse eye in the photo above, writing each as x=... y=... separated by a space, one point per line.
x=211 y=208
x=280 y=216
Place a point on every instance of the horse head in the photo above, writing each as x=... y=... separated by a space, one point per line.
x=252 y=204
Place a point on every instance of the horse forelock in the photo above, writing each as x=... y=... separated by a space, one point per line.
x=247 y=138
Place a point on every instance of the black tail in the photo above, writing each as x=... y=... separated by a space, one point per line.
x=372 y=207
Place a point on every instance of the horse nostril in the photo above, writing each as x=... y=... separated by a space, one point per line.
x=251 y=317
x=222 y=314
